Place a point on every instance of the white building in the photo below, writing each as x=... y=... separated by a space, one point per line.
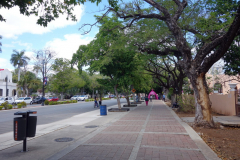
x=7 y=88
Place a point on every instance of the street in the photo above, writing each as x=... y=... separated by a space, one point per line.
x=49 y=114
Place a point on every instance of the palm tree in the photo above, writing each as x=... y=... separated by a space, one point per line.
x=18 y=59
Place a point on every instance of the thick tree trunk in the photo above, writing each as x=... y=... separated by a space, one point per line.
x=134 y=97
x=118 y=100
x=128 y=101
x=203 y=111
x=62 y=96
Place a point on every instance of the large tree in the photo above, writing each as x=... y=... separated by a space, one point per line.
x=64 y=77
x=211 y=32
x=110 y=55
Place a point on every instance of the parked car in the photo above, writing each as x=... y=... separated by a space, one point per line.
x=39 y=100
x=83 y=97
x=53 y=99
x=112 y=96
x=106 y=96
x=8 y=99
x=27 y=100
x=75 y=97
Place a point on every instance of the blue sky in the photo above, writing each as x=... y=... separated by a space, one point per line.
x=22 y=33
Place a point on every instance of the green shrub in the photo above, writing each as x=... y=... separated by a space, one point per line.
x=5 y=105
x=19 y=105
x=10 y=106
x=106 y=98
x=186 y=103
x=1 y=107
x=24 y=104
x=50 y=103
x=46 y=102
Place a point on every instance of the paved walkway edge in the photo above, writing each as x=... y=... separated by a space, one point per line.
x=205 y=149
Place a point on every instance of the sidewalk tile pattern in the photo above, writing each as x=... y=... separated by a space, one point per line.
x=161 y=137
x=114 y=138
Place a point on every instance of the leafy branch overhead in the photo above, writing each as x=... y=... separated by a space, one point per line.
x=48 y=10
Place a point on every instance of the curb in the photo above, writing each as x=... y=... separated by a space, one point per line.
x=208 y=153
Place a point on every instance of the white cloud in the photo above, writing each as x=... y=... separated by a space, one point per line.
x=5 y=64
x=67 y=46
x=27 y=45
x=17 y=24
x=8 y=45
x=29 y=54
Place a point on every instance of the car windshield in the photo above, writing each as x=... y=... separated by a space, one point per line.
x=1 y=98
x=37 y=98
x=20 y=98
x=82 y=96
x=75 y=96
x=50 y=98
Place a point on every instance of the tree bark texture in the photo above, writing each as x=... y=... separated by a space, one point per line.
x=203 y=110
x=118 y=100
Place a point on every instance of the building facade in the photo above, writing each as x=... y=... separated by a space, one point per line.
x=7 y=87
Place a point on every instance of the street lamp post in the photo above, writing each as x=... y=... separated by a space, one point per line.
x=43 y=71
x=6 y=85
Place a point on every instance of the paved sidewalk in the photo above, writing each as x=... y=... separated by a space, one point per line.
x=151 y=132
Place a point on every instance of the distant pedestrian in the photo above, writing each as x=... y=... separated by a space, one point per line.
x=163 y=97
x=151 y=98
x=96 y=103
x=146 y=100
x=100 y=101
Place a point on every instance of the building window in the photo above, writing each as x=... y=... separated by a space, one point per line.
x=1 y=92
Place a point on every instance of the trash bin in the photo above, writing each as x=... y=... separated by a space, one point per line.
x=31 y=126
x=103 y=110
x=24 y=127
x=19 y=128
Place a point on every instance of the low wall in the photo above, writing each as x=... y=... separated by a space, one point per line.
x=223 y=104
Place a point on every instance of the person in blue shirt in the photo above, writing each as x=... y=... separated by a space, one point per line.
x=163 y=98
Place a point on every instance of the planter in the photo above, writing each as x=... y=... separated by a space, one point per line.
x=136 y=102
x=232 y=86
x=118 y=110
x=134 y=105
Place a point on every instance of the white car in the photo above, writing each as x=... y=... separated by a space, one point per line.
x=75 y=97
x=83 y=97
x=27 y=100
x=4 y=99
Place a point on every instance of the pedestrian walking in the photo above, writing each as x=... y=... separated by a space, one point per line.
x=96 y=103
x=146 y=100
x=151 y=98
x=163 y=98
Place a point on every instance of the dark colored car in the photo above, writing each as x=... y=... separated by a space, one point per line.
x=39 y=100
x=52 y=99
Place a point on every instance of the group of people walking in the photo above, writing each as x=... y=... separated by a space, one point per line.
x=146 y=99
x=96 y=102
